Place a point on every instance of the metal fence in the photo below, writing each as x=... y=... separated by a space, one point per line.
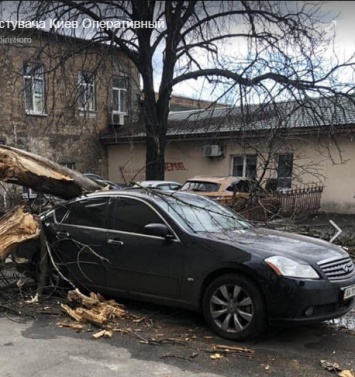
x=301 y=201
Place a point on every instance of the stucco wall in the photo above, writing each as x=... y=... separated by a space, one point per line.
x=316 y=161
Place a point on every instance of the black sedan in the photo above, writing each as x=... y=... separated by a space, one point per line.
x=188 y=251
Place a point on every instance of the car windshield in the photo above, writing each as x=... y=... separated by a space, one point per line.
x=200 y=214
x=201 y=186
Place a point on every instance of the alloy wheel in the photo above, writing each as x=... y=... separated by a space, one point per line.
x=231 y=308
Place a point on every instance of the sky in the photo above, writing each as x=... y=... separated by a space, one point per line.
x=343 y=25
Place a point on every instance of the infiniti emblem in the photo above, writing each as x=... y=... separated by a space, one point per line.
x=346 y=268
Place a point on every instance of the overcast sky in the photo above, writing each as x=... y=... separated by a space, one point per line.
x=344 y=13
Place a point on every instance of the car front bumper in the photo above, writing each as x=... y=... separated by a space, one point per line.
x=307 y=301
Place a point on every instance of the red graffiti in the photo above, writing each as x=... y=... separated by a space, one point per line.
x=170 y=166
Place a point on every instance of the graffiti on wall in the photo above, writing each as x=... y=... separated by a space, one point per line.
x=171 y=166
x=138 y=174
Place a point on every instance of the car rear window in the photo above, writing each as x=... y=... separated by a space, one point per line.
x=89 y=212
x=201 y=186
x=241 y=186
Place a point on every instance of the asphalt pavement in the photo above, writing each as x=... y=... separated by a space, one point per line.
x=165 y=343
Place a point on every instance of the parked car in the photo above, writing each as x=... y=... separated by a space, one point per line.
x=220 y=188
x=101 y=180
x=161 y=185
x=184 y=250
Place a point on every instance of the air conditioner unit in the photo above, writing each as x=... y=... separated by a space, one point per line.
x=117 y=119
x=212 y=151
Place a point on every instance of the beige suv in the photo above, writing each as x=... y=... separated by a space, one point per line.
x=227 y=190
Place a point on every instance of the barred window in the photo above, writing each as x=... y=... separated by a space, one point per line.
x=86 y=89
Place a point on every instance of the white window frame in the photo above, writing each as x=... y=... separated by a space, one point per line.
x=284 y=182
x=34 y=74
x=69 y=165
x=28 y=193
x=84 y=89
x=244 y=156
x=121 y=91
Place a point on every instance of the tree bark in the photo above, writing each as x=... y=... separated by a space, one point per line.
x=15 y=228
x=42 y=175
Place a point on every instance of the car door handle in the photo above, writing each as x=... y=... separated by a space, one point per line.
x=115 y=242
x=63 y=234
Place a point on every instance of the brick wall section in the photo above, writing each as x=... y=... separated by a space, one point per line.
x=64 y=134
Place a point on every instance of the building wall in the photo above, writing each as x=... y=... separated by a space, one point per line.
x=316 y=161
x=63 y=134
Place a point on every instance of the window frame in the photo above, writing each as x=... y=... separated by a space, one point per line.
x=35 y=74
x=244 y=169
x=287 y=180
x=86 y=85
x=111 y=222
x=120 y=90
x=69 y=165
x=71 y=206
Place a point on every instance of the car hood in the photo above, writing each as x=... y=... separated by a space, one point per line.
x=267 y=242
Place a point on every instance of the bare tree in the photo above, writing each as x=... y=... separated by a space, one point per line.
x=276 y=50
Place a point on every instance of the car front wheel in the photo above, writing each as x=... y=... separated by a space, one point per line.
x=234 y=308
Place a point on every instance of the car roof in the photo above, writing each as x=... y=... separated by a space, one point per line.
x=158 y=182
x=227 y=179
x=134 y=193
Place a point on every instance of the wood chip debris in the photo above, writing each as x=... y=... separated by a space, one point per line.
x=216 y=356
x=221 y=349
x=189 y=358
x=334 y=367
x=93 y=309
x=346 y=373
x=72 y=325
x=102 y=333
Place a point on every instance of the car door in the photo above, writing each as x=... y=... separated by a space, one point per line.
x=79 y=238
x=139 y=262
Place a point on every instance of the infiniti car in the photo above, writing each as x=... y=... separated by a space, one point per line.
x=188 y=251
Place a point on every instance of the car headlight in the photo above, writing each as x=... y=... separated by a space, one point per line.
x=288 y=267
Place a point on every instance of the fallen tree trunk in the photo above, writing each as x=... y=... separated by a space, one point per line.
x=15 y=228
x=42 y=175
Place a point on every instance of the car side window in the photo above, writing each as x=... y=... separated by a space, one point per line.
x=163 y=186
x=241 y=186
x=133 y=215
x=62 y=213
x=231 y=187
x=90 y=212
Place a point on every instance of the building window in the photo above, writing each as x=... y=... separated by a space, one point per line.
x=284 y=170
x=34 y=88
x=119 y=94
x=69 y=165
x=86 y=91
x=245 y=166
x=28 y=193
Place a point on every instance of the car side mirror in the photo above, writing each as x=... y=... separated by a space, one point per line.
x=156 y=229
